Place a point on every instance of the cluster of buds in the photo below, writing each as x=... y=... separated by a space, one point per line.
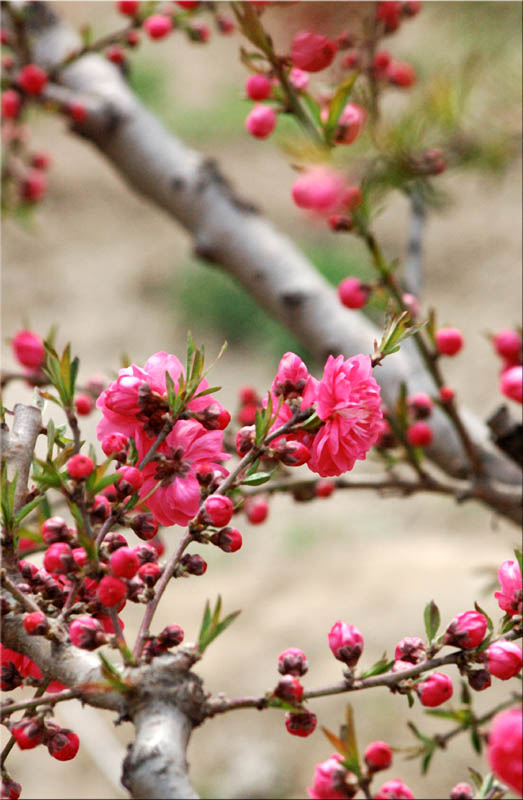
x=292 y=665
x=507 y=344
x=29 y=732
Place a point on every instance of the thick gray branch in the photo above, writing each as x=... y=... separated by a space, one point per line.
x=18 y=446
x=229 y=232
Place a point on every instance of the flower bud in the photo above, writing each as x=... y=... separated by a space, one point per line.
x=10 y=789
x=245 y=440
x=510 y=597
x=114 y=443
x=257 y=509
x=449 y=341
x=124 y=563
x=83 y=404
x=113 y=541
x=289 y=689
x=63 y=744
x=350 y=123
x=411 y=649
x=219 y=509
x=128 y=7
x=32 y=79
x=300 y=724
x=435 y=690
x=319 y=189
x=504 y=748
x=228 y=539
x=378 y=755
x=462 y=791
x=312 y=52
x=329 y=779
x=193 y=564
x=292 y=661
x=101 y=506
x=157 y=26
x=394 y=789
x=261 y=121
x=353 y=293
x=111 y=591
x=511 y=384
x=28 y=349
x=55 y=529
x=144 y=525
x=446 y=394
x=421 y=404
x=131 y=479
x=10 y=677
x=28 y=733
x=298 y=78
x=420 y=434
x=346 y=643
x=401 y=74
x=59 y=558
x=11 y=104
x=258 y=87
x=479 y=679
x=171 y=636
x=87 y=633
x=79 y=467
x=467 y=630
x=504 y=659
x=36 y=623
x=150 y=573
x=508 y=345
x=292 y=454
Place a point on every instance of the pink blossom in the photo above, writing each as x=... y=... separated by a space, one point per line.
x=504 y=750
x=139 y=393
x=293 y=379
x=509 y=598
x=177 y=499
x=328 y=775
x=346 y=642
x=394 y=789
x=349 y=402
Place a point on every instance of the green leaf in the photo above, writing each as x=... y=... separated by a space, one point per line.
x=410 y=699
x=338 y=103
x=425 y=762
x=475 y=738
x=112 y=675
x=191 y=349
x=210 y=390
x=476 y=778
x=257 y=479
x=383 y=665
x=432 y=620
x=421 y=736
x=336 y=742
x=489 y=621
x=352 y=758
x=312 y=106
x=519 y=558
x=212 y=626
x=25 y=510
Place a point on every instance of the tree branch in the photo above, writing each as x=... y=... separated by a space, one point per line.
x=228 y=232
x=17 y=447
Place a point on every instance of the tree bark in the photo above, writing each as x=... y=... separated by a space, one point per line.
x=228 y=231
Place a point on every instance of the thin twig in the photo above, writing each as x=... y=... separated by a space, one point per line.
x=27 y=602
x=45 y=699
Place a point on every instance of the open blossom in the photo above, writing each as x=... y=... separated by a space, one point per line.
x=350 y=404
x=504 y=748
x=138 y=397
x=177 y=499
x=510 y=596
x=328 y=779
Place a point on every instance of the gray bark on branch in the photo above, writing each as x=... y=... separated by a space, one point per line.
x=228 y=231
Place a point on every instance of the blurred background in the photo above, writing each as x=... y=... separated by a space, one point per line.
x=118 y=278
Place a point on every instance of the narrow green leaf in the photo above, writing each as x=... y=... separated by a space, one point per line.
x=257 y=479
x=51 y=433
x=425 y=762
x=383 y=665
x=489 y=621
x=338 y=103
x=432 y=620
x=336 y=742
x=312 y=107
x=475 y=738
x=475 y=776
x=519 y=558
x=25 y=510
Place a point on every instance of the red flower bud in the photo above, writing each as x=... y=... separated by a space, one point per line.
x=467 y=630
x=124 y=563
x=411 y=649
x=346 y=643
x=462 y=791
x=28 y=349
x=394 y=790
x=59 y=558
x=36 y=623
x=145 y=526
x=28 y=733
x=171 y=636
x=55 y=529
x=435 y=690
x=301 y=724
x=87 y=633
x=504 y=659
x=11 y=104
x=157 y=26
x=32 y=79
x=258 y=87
x=257 y=510
x=111 y=591
x=292 y=662
x=219 y=509
x=79 y=467
x=353 y=293
x=312 y=52
x=193 y=564
x=378 y=755
x=228 y=539
x=150 y=573
x=292 y=454
x=84 y=404
x=289 y=689
x=419 y=434
x=63 y=744
x=449 y=341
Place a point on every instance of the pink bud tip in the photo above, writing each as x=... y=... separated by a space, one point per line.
x=261 y=121
x=79 y=467
x=449 y=341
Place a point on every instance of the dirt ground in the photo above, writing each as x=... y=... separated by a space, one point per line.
x=97 y=261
